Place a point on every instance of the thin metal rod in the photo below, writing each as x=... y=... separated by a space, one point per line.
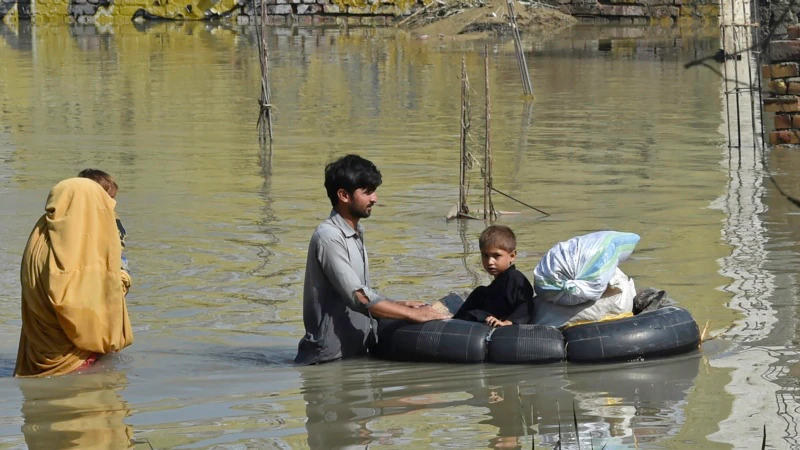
x=758 y=77
x=725 y=70
x=738 y=96
x=519 y=201
x=747 y=17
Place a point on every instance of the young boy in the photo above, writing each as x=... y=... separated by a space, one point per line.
x=509 y=298
x=107 y=182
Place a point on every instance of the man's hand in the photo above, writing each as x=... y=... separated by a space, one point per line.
x=412 y=311
x=427 y=314
x=495 y=322
x=411 y=303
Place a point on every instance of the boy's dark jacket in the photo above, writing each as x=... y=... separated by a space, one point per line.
x=508 y=297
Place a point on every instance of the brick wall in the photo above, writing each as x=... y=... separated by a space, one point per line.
x=665 y=12
x=783 y=85
x=320 y=12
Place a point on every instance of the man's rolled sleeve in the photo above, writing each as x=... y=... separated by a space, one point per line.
x=374 y=297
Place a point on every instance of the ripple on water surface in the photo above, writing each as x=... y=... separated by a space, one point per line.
x=623 y=139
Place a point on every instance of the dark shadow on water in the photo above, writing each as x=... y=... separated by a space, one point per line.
x=7 y=367
x=230 y=358
x=257 y=357
x=266 y=224
x=19 y=37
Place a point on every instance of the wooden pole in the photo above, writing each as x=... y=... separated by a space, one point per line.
x=265 y=114
x=462 y=186
x=487 y=148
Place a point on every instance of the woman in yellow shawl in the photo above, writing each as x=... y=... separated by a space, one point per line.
x=73 y=288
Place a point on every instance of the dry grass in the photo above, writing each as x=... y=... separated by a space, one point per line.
x=480 y=18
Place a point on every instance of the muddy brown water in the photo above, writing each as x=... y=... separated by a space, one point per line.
x=620 y=136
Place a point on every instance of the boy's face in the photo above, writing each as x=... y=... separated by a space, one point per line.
x=496 y=260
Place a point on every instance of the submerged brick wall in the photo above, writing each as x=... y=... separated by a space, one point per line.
x=316 y=12
x=641 y=12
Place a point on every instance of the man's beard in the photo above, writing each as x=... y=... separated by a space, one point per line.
x=360 y=213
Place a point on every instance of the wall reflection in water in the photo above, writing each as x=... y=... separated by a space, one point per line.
x=495 y=406
x=76 y=412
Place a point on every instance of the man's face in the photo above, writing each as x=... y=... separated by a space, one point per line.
x=496 y=260
x=361 y=203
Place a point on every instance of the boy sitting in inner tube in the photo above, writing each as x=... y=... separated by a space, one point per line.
x=509 y=298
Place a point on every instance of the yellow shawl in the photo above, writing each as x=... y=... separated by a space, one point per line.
x=73 y=287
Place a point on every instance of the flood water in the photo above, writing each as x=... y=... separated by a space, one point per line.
x=620 y=136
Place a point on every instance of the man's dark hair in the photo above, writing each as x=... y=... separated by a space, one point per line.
x=350 y=173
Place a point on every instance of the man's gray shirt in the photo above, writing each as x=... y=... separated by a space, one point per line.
x=337 y=324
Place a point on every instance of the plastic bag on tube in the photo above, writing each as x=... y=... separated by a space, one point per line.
x=579 y=270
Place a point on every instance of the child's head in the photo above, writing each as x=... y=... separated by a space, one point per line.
x=498 y=249
x=103 y=179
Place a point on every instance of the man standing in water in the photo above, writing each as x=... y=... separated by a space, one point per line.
x=339 y=307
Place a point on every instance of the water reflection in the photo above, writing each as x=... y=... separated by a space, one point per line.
x=219 y=229
x=83 y=411
x=467 y=258
x=17 y=36
x=490 y=406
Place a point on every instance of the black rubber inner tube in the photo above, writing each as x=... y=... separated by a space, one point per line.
x=435 y=341
x=530 y=344
x=664 y=332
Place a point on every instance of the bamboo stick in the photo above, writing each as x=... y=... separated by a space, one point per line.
x=465 y=124
x=265 y=114
x=488 y=207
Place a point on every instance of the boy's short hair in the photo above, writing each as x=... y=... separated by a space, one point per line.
x=350 y=172
x=498 y=236
x=103 y=179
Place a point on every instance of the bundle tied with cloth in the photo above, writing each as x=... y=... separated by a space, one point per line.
x=578 y=281
x=73 y=289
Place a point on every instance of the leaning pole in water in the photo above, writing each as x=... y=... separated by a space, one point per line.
x=527 y=87
x=265 y=101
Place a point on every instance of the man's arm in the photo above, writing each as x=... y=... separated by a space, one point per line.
x=331 y=255
x=394 y=310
